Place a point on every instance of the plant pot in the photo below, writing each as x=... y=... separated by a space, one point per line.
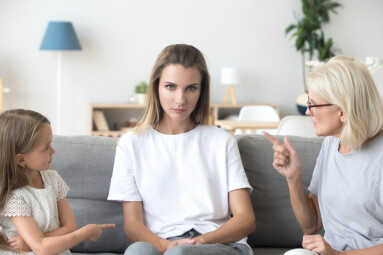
x=141 y=98
x=301 y=103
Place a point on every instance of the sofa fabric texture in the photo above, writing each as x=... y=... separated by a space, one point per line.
x=275 y=220
x=86 y=165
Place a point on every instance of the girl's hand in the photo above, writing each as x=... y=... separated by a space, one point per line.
x=169 y=244
x=199 y=240
x=286 y=160
x=18 y=242
x=317 y=244
x=96 y=230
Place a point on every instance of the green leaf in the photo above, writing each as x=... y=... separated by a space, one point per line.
x=290 y=28
x=141 y=88
x=308 y=28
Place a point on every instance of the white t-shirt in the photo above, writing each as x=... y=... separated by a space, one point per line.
x=350 y=194
x=41 y=204
x=183 y=180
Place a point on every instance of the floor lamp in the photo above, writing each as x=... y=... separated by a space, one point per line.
x=229 y=76
x=60 y=36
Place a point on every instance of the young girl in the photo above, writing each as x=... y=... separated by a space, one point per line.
x=34 y=213
x=180 y=181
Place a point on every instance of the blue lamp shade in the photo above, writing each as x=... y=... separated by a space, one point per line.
x=60 y=36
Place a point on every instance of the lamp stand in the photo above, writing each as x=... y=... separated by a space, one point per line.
x=230 y=92
x=58 y=94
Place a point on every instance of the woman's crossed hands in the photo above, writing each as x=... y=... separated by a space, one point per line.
x=170 y=244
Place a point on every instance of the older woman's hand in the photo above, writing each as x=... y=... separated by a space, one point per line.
x=317 y=244
x=286 y=160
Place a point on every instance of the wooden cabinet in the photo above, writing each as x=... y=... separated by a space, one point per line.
x=119 y=116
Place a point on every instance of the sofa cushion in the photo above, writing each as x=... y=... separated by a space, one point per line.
x=276 y=225
x=86 y=165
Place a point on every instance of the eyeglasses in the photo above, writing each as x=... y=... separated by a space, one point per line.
x=310 y=106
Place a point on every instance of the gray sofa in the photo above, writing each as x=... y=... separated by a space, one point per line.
x=86 y=163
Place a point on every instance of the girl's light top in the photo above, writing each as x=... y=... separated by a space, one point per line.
x=41 y=204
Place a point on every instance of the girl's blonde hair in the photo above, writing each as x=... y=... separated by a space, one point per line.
x=347 y=83
x=19 y=134
x=187 y=56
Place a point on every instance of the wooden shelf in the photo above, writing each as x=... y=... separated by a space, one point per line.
x=118 y=114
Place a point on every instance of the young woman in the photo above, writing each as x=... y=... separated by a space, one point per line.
x=35 y=216
x=346 y=195
x=180 y=181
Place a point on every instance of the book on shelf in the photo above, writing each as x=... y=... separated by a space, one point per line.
x=100 y=121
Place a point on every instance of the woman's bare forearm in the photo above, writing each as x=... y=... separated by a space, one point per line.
x=231 y=231
x=303 y=207
x=137 y=232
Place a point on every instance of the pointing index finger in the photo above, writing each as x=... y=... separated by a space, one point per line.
x=107 y=225
x=271 y=138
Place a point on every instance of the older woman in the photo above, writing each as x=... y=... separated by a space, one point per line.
x=346 y=190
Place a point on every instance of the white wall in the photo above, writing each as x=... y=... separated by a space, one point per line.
x=121 y=39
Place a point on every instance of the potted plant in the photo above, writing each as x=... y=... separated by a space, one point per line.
x=310 y=40
x=140 y=91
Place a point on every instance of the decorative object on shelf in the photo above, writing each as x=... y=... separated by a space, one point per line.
x=100 y=121
x=132 y=99
x=373 y=63
x=301 y=102
x=60 y=36
x=140 y=91
x=127 y=125
x=229 y=76
x=310 y=40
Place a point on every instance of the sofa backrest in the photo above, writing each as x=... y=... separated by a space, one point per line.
x=86 y=165
x=275 y=220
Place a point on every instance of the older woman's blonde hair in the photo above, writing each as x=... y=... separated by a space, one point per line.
x=187 y=56
x=347 y=83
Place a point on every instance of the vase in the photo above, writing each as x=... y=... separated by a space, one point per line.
x=301 y=102
x=141 y=98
